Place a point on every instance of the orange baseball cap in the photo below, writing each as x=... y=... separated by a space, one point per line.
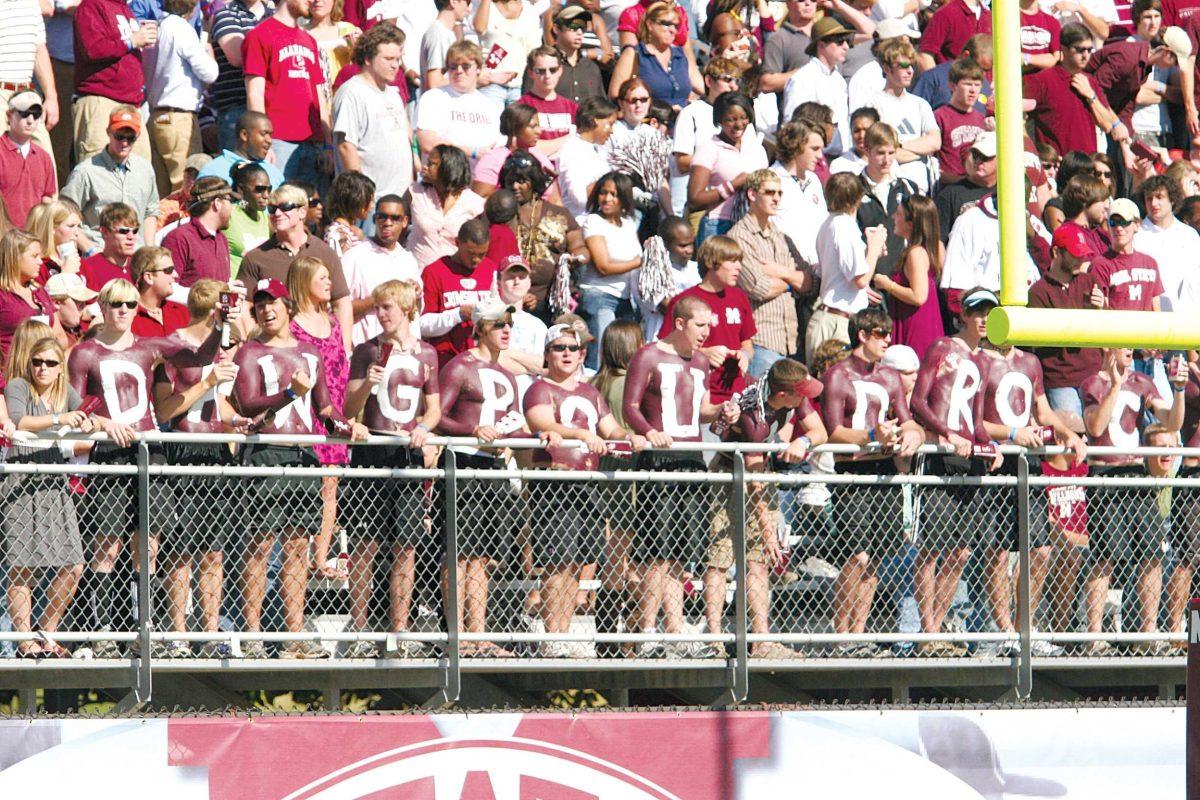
x=125 y=119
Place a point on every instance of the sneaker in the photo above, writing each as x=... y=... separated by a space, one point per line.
x=409 y=649
x=158 y=650
x=1154 y=648
x=582 y=650
x=1009 y=648
x=555 y=650
x=941 y=649
x=176 y=649
x=361 y=650
x=106 y=648
x=1040 y=648
x=1095 y=649
x=651 y=650
x=221 y=651
x=303 y=649
x=853 y=650
x=254 y=649
x=774 y=651
x=681 y=650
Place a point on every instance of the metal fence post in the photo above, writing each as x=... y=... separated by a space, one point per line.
x=142 y=671
x=1024 y=612
x=741 y=664
x=452 y=686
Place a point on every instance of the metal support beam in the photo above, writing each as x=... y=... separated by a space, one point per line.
x=140 y=668
x=451 y=661
x=1024 y=612
x=739 y=673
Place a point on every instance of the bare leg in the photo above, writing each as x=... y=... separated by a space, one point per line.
x=758 y=598
x=672 y=599
x=59 y=595
x=947 y=581
x=999 y=588
x=362 y=572
x=714 y=598
x=293 y=578
x=861 y=609
x=404 y=571
x=559 y=586
x=925 y=590
x=1039 y=568
x=476 y=595
x=651 y=597
x=254 y=579
x=324 y=538
x=1149 y=589
x=1068 y=562
x=104 y=556
x=20 y=602
x=584 y=597
x=1096 y=588
x=179 y=582
x=845 y=592
x=1179 y=588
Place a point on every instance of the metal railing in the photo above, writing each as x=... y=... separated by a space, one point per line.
x=654 y=560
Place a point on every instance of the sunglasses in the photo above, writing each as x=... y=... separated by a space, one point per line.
x=901 y=65
x=381 y=217
x=642 y=99
x=667 y=24
x=1102 y=173
x=771 y=192
x=462 y=66
x=32 y=111
x=565 y=348
x=45 y=362
x=843 y=39
x=574 y=25
x=546 y=71
x=261 y=188
x=729 y=78
x=314 y=201
x=1050 y=165
x=501 y=325
x=1117 y=222
x=283 y=208
x=130 y=304
x=125 y=138
x=881 y=333
x=1084 y=50
x=165 y=270
x=124 y=231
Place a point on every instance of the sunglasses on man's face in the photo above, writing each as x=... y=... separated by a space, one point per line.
x=44 y=362
x=124 y=231
x=164 y=270
x=381 y=217
x=1117 y=222
x=282 y=208
x=881 y=333
x=565 y=348
x=125 y=138
x=546 y=72
x=32 y=111
x=130 y=304
x=574 y=25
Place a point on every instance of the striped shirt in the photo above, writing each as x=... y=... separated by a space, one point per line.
x=229 y=90
x=778 y=326
x=22 y=32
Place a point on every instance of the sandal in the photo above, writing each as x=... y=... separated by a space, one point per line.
x=52 y=649
x=330 y=572
x=491 y=650
x=30 y=648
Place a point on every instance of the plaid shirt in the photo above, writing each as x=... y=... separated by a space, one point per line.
x=778 y=326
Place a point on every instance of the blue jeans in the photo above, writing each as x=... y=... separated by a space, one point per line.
x=1065 y=398
x=298 y=161
x=502 y=96
x=764 y=359
x=711 y=226
x=601 y=310
x=227 y=127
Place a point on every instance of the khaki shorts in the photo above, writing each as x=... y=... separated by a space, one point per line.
x=89 y=125
x=823 y=326
x=175 y=135
x=719 y=554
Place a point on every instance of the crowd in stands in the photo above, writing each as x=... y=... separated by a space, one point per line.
x=589 y=220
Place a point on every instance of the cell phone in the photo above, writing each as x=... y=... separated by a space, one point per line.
x=1143 y=150
x=339 y=427
x=65 y=249
x=385 y=352
x=88 y=404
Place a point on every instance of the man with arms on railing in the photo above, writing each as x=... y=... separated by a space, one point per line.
x=279 y=379
x=116 y=368
x=567 y=521
x=1014 y=398
x=863 y=404
x=1115 y=402
x=948 y=402
x=479 y=398
x=780 y=403
x=666 y=401
x=394 y=385
x=194 y=398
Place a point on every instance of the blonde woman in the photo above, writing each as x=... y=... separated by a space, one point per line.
x=21 y=296
x=309 y=285
x=41 y=529
x=335 y=41
x=57 y=226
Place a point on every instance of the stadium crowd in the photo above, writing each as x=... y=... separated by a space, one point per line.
x=590 y=220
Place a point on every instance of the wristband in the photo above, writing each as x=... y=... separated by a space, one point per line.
x=723 y=191
x=422 y=426
x=289 y=393
x=871 y=435
x=807 y=442
x=1012 y=434
x=1025 y=59
x=1113 y=127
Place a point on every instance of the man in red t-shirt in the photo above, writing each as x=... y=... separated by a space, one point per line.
x=949 y=29
x=728 y=347
x=1039 y=37
x=154 y=276
x=556 y=114
x=1128 y=279
x=959 y=121
x=1121 y=66
x=119 y=230
x=454 y=285
x=1069 y=103
x=283 y=80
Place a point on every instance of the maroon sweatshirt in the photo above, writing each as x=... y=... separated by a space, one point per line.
x=105 y=65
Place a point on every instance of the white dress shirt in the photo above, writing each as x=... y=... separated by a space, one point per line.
x=178 y=67
x=802 y=210
x=1176 y=248
x=816 y=82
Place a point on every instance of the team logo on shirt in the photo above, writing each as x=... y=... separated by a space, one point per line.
x=467 y=283
x=733 y=316
x=297 y=57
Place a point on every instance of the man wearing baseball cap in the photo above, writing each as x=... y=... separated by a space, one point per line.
x=1066 y=284
x=26 y=168
x=1128 y=280
x=71 y=296
x=977 y=173
x=525 y=355
x=117 y=174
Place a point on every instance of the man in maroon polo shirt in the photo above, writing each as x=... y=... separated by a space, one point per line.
x=1121 y=66
x=26 y=170
x=728 y=348
x=119 y=230
x=109 y=42
x=198 y=247
x=154 y=276
x=1070 y=103
x=949 y=29
x=1066 y=284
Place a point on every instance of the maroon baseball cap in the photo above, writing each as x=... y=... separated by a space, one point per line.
x=809 y=387
x=271 y=288
x=514 y=260
x=1070 y=237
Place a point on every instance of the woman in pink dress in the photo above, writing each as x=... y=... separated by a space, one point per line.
x=310 y=286
x=916 y=319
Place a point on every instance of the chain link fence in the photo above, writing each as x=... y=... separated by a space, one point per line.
x=200 y=549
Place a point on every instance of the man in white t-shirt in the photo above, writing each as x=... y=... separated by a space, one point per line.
x=695 y=124
x=911 y=116
x=1174 y=245
x=680 y=239
x=869 y=80
x=377 y=260
x=370 y=123
x=458 y=113
x=438 y=38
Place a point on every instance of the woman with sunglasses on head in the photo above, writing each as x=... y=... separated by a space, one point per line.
x=21 y=296
x=248 y=224
x=610 y=232
x=567 y=524
x=721 y=164
x=125 y=408
x=56 y=225
x=544 y=230
x=281 y=383
x=658 y=61
x=41 y=530
x=519 y=123
x=441 y=202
